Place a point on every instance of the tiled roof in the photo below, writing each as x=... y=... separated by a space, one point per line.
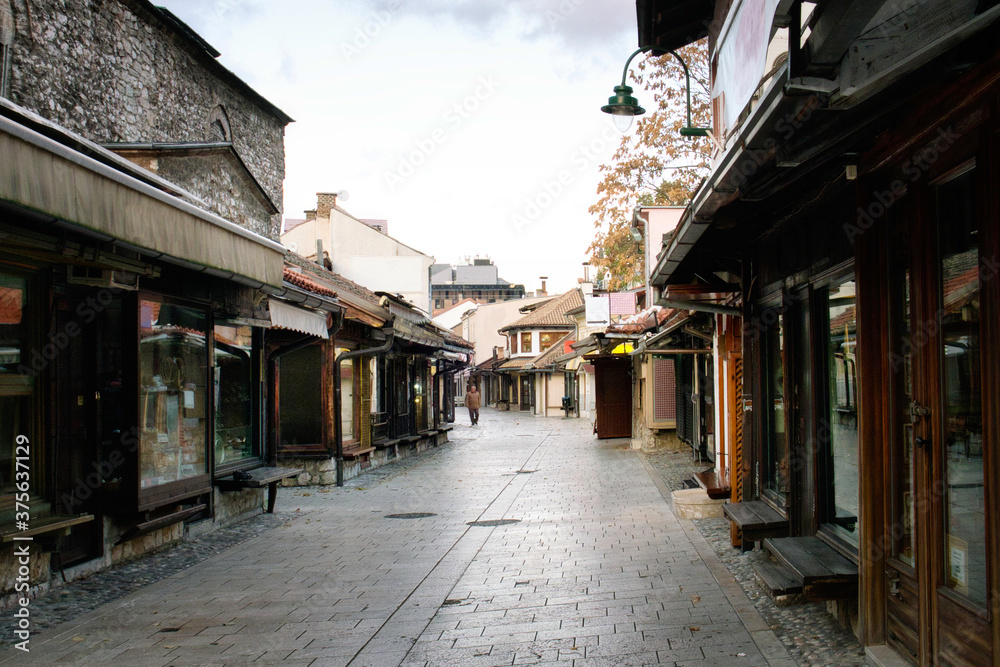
x=306 y=283
x=552 y=313
x=517 y=362
x=338 y=282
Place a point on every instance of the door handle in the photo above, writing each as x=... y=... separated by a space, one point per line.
x=921 y=441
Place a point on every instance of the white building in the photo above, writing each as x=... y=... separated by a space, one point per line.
x=359 y=251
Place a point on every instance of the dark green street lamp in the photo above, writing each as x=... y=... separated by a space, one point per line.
x=622 y=106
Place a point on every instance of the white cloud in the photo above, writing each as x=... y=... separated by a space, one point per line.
x=413 y=77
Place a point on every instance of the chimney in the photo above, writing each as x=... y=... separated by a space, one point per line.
x=310 y=215
x=325 y=201
x=543 y=279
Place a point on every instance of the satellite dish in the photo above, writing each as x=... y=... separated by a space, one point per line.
x=343 y=195
x=293 y=246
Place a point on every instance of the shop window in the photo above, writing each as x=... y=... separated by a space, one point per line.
x=961 y=359
x=841 y=427
x=349 y=371
x=16 y=387
x=547 y=339
x=173 y=380
x=234 y=355
x=300 y=397
x=526 y=341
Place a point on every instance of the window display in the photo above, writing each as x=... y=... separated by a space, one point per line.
x=16 y=386
x=173 y=375
x=233 y=397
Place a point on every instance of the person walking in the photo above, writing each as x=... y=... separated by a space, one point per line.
x=472 y=400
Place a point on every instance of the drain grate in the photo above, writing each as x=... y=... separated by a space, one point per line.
x=410 y=515
x=494 y=522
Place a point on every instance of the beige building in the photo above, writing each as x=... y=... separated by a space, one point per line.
x=360 y=251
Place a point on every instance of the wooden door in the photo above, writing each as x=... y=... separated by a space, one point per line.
x=614 y=397
x=938 y=603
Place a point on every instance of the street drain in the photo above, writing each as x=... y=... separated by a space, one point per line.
x=410 y=515
x=493 y=522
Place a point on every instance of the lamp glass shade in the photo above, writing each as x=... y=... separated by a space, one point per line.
x=623 y=107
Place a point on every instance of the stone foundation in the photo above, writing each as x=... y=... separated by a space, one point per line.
x=322 y=472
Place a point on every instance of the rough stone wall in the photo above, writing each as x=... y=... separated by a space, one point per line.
x=110 y=71
x=220 y=184
x=233 y=506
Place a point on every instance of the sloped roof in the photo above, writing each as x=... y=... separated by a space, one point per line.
x=517 y=362
x=552 y=313
x=557 y=350
x=308 y=284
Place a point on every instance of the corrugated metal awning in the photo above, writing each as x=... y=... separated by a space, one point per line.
x=286 y=316
x=45 y=176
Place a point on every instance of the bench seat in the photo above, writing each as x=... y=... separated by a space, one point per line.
x=53 y=526
x=357 y=452
x=821 y=571
x=757 y=520
x=268 y=476
x=715 y=485
x=148 y=526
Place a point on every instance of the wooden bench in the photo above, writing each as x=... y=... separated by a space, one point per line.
x=409 y=439
x=51 y=526
x=268 y=476
x=776 y=579
x=821 y=571
x=715 y=485
x=385 y=443
x=757 y=520
x=357 y=452
x=445 y=428
x=149 y=525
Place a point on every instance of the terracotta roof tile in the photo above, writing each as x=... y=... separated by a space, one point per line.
x=552 y=313
x=306 y=283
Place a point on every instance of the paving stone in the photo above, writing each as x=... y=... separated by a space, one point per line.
x=597 y=572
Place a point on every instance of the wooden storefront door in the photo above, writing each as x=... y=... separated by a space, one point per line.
x=614 y=397
x=938 y=604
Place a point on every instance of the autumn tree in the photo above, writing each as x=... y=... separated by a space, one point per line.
x=654 y=165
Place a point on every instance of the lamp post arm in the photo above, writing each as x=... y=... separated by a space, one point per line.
x=641 y=49
x=687 y=74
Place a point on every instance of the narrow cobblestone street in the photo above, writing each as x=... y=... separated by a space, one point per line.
x=580 y=562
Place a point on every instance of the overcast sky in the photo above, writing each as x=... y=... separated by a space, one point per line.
x=474 y=127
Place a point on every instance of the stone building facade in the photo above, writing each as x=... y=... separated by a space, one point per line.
x=127 y=72
x=142 y=202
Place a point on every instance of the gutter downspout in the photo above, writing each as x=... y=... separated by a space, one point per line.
x=338 y=426
x=272 y=367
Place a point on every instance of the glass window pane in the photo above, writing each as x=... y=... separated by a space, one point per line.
x=526 y=341
x=12 y=297
x=547 y=339
x=961 y=380
x=300 y=396
x=173 y=379
x=15 y=420
x=233 y=396
x=347 y=408
x=777 y=475
x=842 y=413
x=902 y=367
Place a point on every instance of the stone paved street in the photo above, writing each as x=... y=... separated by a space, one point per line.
x=589 y=567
